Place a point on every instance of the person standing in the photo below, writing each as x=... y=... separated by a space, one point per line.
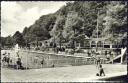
x=4 y=60
x=108 y=56
x=89 y=54
x=98 y=62
x=36 y=61
x=19 y=63
x=112 y=57
x=42 y=62
x=8 y=59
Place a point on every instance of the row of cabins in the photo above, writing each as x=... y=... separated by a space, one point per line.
x=102 y=44
x=88 y=43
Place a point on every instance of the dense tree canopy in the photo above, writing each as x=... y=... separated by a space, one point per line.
x=76 y=20
x=18 y=39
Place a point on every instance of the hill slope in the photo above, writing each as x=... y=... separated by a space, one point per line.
x=80 y=18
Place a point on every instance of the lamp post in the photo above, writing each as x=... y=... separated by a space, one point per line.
x=97 y=26
x=97 y=29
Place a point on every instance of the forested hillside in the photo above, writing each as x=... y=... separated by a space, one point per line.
x=80 y=18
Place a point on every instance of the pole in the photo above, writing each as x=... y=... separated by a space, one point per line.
x=97 y=30
x=97 y=23
x=54 y=44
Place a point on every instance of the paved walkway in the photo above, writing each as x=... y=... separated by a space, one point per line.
x=61 y=74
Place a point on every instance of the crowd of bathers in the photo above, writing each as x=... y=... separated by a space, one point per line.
x=8 y=61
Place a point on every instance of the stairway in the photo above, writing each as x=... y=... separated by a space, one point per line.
x=123 y=51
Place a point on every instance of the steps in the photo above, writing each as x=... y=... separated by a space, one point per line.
x=123 y=51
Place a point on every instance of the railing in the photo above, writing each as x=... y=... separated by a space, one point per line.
x=123 y=51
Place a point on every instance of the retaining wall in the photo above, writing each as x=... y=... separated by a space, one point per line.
x=33 y=59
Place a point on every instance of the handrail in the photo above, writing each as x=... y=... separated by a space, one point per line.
x=122 y=53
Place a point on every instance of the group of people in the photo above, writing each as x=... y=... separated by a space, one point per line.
x=7 y=61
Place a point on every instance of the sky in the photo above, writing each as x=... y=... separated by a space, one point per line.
x=15 y=16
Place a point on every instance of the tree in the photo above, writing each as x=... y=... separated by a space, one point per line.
x=3 y=41
x=25 y=31
x=18 y=39
x=72 y=28
x=115 y=19
x=7 y=41
x=57 y=30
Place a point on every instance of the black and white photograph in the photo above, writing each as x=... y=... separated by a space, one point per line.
x=63 y=41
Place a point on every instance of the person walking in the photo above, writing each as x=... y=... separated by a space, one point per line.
x=101 y=70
